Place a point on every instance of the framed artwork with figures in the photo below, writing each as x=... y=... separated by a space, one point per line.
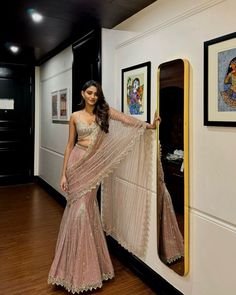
x=136 y=91
x=220 y=81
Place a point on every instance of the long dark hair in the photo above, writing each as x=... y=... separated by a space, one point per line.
x=101 y=109
x=229 y=68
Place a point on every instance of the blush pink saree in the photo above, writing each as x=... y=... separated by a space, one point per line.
x=82 y=261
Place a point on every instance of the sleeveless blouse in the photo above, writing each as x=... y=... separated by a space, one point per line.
x=85 y=129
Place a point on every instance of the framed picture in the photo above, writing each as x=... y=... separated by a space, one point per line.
x=136 y=91
x=54 y=96
x=220 y=81
x=60 y=106
x=63 y=99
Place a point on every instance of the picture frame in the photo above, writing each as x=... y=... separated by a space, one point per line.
x=54 y=99
x=219 y=81
x=63 y=102
x=136 y=91
x=60 y=106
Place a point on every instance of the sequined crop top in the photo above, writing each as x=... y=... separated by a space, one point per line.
x=84 y=129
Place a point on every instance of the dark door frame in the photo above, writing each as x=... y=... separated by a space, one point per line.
x=31 y=125
x=93 y=70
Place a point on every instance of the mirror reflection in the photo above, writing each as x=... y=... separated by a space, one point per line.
x=172 y=218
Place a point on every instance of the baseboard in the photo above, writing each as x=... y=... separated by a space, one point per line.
x=143 y=271
x=51 y=190
x=138 y=267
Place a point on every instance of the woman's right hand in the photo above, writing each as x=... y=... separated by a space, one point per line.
x=157 y=119
x=64 y=183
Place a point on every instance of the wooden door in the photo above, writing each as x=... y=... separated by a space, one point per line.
x=16 y=124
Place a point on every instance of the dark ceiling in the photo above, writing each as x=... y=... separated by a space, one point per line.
x=64 y=22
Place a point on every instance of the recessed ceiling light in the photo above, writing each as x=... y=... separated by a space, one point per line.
x=14 y=49
x=36 y=17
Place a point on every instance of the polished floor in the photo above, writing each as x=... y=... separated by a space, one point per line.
x=29 y=223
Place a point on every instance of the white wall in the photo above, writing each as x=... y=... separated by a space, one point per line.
x=164 y=31
x=109 y=83
x=55 y=74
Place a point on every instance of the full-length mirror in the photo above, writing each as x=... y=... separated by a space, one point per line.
x=172 y=180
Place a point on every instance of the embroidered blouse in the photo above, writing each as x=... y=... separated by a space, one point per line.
x=85 y=129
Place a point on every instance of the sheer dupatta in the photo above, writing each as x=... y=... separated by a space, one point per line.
x=127 y=197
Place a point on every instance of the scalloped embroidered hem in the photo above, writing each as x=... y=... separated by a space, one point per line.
x=76 y=289
x=173 y=259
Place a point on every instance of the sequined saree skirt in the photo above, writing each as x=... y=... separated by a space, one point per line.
x=81 y=259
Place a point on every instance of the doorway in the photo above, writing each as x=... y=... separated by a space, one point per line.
x=16 y=124
x=86 y=63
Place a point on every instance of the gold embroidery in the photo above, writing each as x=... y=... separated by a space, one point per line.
x=76 y=289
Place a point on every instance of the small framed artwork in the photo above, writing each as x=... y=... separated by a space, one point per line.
x=220 y=81
x=63 y=99
x=60 y=106
x=54 y=96
x=136 y=91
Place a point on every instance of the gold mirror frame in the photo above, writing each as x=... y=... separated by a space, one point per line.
x=183 y=266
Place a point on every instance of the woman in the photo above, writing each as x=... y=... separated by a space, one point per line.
x=82 y=260
x=229 y=93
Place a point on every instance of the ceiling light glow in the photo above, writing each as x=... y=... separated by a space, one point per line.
x=37 y=17
x=14 y=49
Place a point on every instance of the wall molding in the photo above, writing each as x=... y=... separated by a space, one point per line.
x=157 y=283
x=51 y=151
x=55 y=75
x=50 y=190
x=171 y=21
x=212 y=219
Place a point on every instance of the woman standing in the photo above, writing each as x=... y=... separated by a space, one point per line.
x=81 y=259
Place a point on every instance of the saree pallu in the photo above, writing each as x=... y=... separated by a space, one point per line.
x=127 y=195
x=126 y=205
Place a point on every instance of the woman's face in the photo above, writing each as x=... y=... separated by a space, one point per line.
x=233 y=66
x=135 y=84
x=90 y=95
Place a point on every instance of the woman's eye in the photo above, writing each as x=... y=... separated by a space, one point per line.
x=90 y=93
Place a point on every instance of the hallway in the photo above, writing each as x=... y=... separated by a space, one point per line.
x=29 y=223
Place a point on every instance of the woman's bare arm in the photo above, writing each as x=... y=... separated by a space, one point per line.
x=116 y=115
x=69 y=147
